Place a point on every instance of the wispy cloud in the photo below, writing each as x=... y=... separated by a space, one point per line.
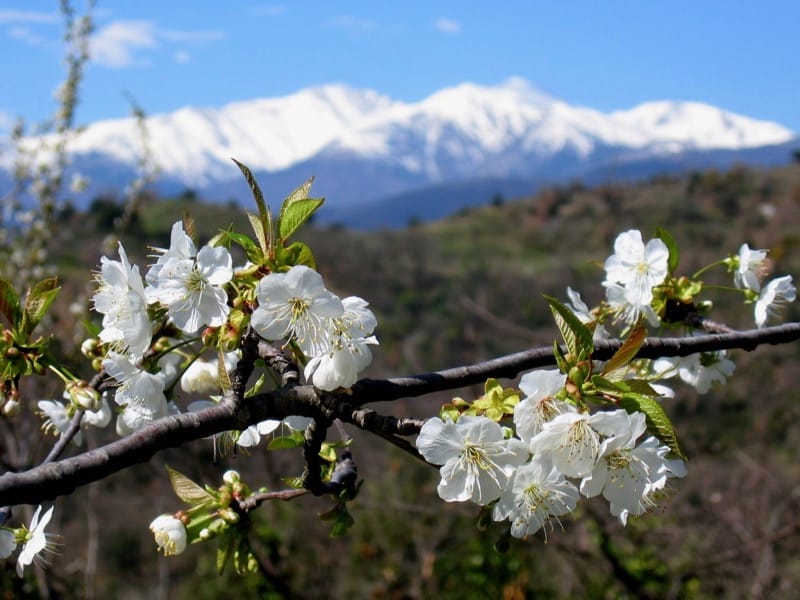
x=27 y=16
x=354 y=24
x=26 y=35
x=122 y=43
x=116 y=44
x=448 y=26
x=182 y=57
x=269 y=10
x=175 y=35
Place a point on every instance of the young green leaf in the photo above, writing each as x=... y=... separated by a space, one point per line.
x=300 y=254
x=285 y=442
x=9 y=302
x=615 y=367
x=664 y=236
x=299 y=193
x=577 y=337
x=38 y=300
x=187 y=490
x=657 y=420
x=294 y=215
x=258 y=229
x=267 y=238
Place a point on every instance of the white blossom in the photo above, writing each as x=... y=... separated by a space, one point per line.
x=170 y=534
x=476 y=459
x=573 y=440
x=181 y=247
x=346 y=350
x=120 y=298
x=773 y=297
x=203 y=376
x=140 y=394
x=295 y=305
x=192 y=288
x=627 y=475
x=537 y=492
x=35 y=540
x=698 y=370
x=632 y=272
x=540 y=404
x=752 y=265
x=57 y=416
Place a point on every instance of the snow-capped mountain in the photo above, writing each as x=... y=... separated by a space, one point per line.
x=363 y=146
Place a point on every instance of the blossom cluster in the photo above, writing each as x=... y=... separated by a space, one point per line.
x=558 y=448
x=193 y=292
x=557 y=454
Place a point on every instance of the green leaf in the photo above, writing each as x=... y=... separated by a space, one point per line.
x=344 y=521
x=258 y=229
x=561 y=360
x=657 y=420
x=285 y=442
x=225 y=383
x=299 y=193
x=665 y=237
x=254 y=188
x=227 y=237
x=625 y=354
x=227 y=543
x=38 y=300
x=9 y=303
x=294 y=215
x=187 y=490
x=267 y=240
x=300 y=254
x=577 y=337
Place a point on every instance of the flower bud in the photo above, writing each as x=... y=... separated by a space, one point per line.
x=230 y=515
x=89 y=347
x=231 y=477
x=170 y=534
x=83 y=396
x=11 y=408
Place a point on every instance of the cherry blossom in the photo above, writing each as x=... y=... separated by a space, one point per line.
x=170 y=534
x=296 y=305
x=537 y=492
x=477 y=460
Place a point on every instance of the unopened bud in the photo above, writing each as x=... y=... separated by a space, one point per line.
x=205 y=534
x=230 y=515
x=89 y=347
x=231 y=477
x=83 y=396
x=11 y=408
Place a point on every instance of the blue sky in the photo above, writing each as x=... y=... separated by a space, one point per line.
x=740 y=56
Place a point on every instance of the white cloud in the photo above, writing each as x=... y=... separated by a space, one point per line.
x=26 y=35
x=175 y=35
x=119 y=43
x=448 y=26
x=27 y=16
x=270 y=10
x=115 y=44
x=354 y=24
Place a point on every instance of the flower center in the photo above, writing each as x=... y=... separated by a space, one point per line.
x=298 y=308
x=195 y=282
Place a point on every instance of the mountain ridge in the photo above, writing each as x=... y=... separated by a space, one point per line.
x=377 y=147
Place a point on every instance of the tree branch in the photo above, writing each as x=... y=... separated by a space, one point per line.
x=54 y=479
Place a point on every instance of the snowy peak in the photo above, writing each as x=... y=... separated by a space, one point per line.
x=195 y=144
x=702 y=126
